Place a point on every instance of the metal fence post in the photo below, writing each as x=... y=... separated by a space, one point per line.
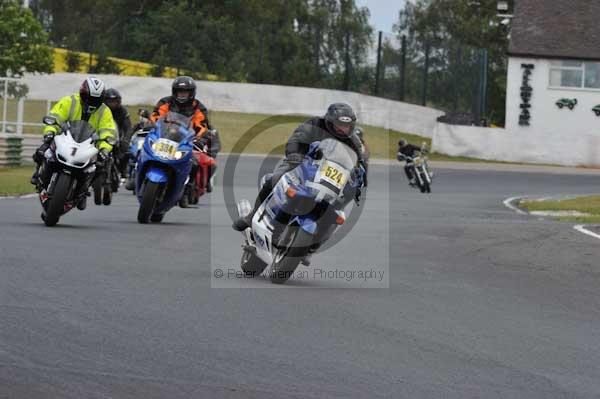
x=425 y=76
x=403 y=68
x=347 y=62
x=20 y=112
x=378 y=68
x=484 y=77
x=4 y=106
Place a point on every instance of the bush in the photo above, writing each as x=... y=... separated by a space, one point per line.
x=105 y=65
x=73 y=61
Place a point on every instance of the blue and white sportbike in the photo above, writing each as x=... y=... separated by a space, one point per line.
x=163 y=167
x=302 y=212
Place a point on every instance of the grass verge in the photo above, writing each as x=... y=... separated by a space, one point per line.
x=589 y=205
x=15 y=181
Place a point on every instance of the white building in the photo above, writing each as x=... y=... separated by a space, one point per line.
x=558 y=42
x=553 y=87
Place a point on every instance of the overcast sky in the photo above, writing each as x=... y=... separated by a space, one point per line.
x=384 y=13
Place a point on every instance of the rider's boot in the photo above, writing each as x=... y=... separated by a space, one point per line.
x=243 y=223
x=82 y=204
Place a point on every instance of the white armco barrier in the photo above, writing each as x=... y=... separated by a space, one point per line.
x=502 y=145
x=250 y=98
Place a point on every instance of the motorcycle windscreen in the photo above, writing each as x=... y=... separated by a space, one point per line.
x=80 y=130
x=338 y=152
x=175 y=127
x=337 y=162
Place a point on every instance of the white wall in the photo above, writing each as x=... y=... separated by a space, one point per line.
x=250 y=98
x=554 y=136
x=546 y=117
x=510 y=146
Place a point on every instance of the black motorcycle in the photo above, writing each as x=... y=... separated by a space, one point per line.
x=106 y=182
x=419 y=168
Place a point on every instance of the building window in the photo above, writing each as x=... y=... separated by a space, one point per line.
x=575 y=74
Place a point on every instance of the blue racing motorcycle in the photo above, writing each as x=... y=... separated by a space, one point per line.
x=163 y=167
x=303 y=211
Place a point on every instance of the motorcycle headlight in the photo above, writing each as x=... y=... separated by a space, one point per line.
x=179 y=154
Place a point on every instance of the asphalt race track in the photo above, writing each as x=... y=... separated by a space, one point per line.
x=482 y=302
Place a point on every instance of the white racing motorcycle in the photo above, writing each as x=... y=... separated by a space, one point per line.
x=68 y=169
x=303 y=211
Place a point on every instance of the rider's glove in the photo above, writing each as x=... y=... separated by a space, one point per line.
x=48 y=137
x=295 y=158
x=101 y=159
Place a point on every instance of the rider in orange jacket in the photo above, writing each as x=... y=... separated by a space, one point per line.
x=183 y=101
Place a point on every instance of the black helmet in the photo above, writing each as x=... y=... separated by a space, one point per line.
x=402 y=143
x=112 y=98
x=183 y=90
x=340 y=120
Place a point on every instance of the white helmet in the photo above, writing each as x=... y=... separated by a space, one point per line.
x=92 y=93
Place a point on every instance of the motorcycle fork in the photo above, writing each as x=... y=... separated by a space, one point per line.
x=419 y=175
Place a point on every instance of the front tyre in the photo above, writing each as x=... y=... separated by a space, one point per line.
x=157 y=218
x=296 y=244
x=149 y=196
x=251 y=264
x=56 y=203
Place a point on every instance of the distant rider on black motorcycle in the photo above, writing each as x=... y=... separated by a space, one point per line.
x=406 y=150
x=338 y=123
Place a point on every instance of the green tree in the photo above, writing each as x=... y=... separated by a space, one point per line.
x=292 y=42
x=455 y=30
x=23 y=42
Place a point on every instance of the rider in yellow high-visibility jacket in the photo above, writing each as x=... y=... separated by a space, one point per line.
x=71 y=108
x=86 y=105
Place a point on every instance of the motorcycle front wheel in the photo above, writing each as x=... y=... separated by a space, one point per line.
x=150 y=192
x=56 y=203
x=295 y=245
x=251 y=264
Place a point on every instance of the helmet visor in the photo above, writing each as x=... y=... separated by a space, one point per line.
x=342 y=128
x=183 y=95
x=93 y=102
x=344 y=125
x=113 y=103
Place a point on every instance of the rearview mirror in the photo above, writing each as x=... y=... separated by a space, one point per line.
x=50 y=120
